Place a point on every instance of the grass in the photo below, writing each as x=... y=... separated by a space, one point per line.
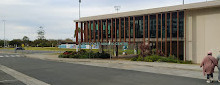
x=120 y=51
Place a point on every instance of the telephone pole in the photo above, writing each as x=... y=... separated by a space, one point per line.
x=4 y=33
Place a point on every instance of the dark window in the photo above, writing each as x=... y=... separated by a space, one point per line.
x=104 y=29
x=131 y=27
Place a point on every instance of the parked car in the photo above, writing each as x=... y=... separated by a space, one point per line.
x=19 y=48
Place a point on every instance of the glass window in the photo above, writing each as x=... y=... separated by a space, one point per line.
x=104 y=31
x=139 y=27
x=146 y=26
x=181 y=24
x=153 y=26
x=92 y=29
x=126 y=28
x=122 y=28
x=174 y=24
x=109 y=29
x=131 y=27
x=159 y=25
x=96 y=31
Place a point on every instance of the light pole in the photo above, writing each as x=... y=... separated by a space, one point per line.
x=117 y=8
x=4 y=33
x=183 y=2
x=79 y=7
x=80 y=27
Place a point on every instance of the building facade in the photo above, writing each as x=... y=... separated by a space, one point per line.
x=187 y=31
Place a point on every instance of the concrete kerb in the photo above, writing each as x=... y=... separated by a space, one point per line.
x=191 y=67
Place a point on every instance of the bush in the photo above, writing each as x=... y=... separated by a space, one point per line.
x=134 y=59
x=140 y=58
x=157 y=58
x=84 y=54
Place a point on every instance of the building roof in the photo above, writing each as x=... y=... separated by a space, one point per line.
x=199 y=5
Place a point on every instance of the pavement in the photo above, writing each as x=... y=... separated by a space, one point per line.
x=7 y=79
x=185 y=70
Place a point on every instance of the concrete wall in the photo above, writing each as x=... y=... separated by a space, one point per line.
x=203 y=33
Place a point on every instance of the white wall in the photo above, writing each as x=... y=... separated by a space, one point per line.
x=203 y=33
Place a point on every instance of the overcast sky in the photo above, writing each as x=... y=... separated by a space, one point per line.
x=24 y=17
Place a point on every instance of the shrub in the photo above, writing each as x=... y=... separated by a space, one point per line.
x=134 y=59
x=83 y=54
x=140 y=58
x=157 y=58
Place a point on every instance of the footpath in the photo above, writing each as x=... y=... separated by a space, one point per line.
x=185 y=70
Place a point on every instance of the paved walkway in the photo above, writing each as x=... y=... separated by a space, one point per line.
x=186 y=70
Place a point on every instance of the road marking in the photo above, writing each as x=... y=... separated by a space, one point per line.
x=1 y=56
x=18 y=55
x=6 y=56
x=7 y=81
x=22 y=77
x=12 y=56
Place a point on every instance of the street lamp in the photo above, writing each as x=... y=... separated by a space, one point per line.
x=79 y=7
x=4 y=33
x=117 y=8
x=80 y=27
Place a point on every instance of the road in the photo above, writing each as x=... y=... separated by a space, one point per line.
x=60 y=73
x=29 y=51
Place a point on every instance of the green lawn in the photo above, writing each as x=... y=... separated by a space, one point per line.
x=129 y=51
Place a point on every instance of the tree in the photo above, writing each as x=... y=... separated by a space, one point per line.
x=79 y=31
x=1 y=43
x=26 y=40
x=40 y=33
x=15 y=42
x=41 y=39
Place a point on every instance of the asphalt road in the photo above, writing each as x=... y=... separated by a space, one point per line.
x=29 y=51
x=6 y=79
x=59 y=73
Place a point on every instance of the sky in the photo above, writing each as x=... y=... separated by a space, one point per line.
x=24 y=17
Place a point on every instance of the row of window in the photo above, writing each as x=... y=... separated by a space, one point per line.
x=139 y=26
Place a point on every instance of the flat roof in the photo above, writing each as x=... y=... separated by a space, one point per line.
x=199 y=5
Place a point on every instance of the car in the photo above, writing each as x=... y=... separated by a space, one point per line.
x=19 y=48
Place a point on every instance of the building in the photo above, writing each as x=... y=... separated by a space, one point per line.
x=187 y=31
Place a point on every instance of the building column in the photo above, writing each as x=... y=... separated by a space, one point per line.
x=85 y=31
x=171 y=22
x=165 y=34
x=76 y=33
x=94 y=29
x=178 y=34
x=144 y=29
x=157 y=33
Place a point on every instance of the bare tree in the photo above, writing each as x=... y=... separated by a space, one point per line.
x=41 y=33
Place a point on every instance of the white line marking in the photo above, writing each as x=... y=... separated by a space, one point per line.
x=12 y=56
x=6 y=56
x=22 y=77
x=8 y=81
x=1 y=56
